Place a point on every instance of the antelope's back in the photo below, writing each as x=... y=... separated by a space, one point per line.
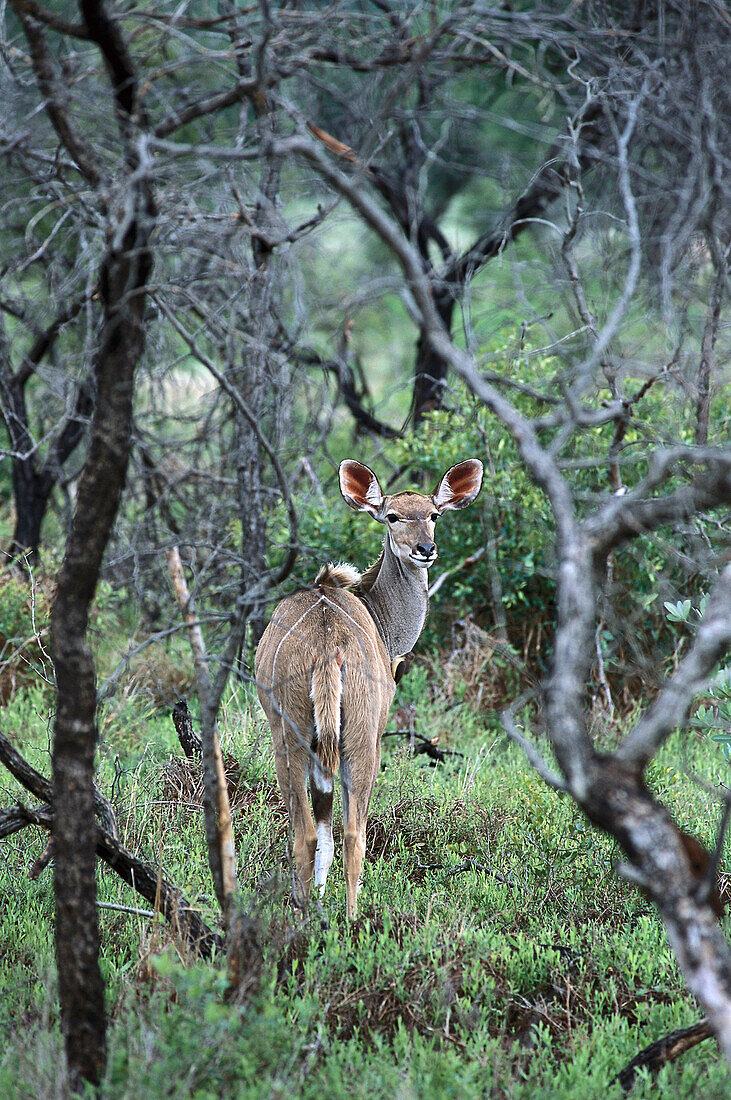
x=331 y=621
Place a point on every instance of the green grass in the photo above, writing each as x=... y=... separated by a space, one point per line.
x=496 y=952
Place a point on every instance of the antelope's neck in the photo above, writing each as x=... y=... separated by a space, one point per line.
x=398 y=602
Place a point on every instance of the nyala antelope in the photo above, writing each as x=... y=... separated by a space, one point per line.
x=326 y=664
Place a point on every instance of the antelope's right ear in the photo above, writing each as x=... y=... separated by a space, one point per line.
x=360 y=487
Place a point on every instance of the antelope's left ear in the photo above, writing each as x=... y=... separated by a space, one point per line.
x=459 y=486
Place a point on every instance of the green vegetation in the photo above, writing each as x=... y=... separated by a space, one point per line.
x=511 y=525
x=497 y=952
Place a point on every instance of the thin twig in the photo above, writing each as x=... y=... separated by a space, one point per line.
x=219 y=832
x=534 y=757
x=127 y=909
x=427 y=746
x=464 y=564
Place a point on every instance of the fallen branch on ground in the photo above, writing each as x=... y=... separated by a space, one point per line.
x=40 y=864
x=427 y=745
x=147 y=880
x=12 y=820
x=467 y=865
x=190 y=741
x=148 y=913
x=192 y=745
x=664 y=1050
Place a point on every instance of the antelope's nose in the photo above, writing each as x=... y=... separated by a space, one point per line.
x=425 y=549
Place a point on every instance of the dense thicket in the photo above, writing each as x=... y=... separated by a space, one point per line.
x=412 y=233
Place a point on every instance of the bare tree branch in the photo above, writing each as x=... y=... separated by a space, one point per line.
x=251 y=596
x=625 y=517
x=219 y=834
x=56 y=98
x=147 y=880
x=670 y=709
x=51 y=19
x=706 y=366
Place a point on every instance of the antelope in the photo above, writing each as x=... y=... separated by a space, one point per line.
x=326 y=666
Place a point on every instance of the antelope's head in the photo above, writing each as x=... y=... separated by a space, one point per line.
x=410 y=517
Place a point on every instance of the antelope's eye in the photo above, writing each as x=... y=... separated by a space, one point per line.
x=392 y=517
x=434 y=517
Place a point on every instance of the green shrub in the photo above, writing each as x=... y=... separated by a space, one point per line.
x=511 y=525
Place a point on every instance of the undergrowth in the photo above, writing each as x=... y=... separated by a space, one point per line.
x=496 y=954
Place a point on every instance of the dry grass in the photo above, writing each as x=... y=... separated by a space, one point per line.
x=160 y=678
x=182 y=783
x=476 y=668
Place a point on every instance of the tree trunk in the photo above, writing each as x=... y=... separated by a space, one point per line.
x=32 y=487
x=30 y=490
x=430 y=371
x=448 y=284
x=31 y=495
x=706 y=368
x=81 y=989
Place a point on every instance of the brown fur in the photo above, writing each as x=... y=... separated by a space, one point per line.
x=333 y=624
x=326 y=693
x=368 y=579
x=324 y=668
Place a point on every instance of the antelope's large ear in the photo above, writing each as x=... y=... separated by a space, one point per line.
x=459 y=486
x=360 y=487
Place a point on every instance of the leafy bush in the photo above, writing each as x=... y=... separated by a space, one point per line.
x=510 y=589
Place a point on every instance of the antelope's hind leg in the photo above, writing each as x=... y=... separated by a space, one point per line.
x=291 y=764
x=321 y=789
x=357 y=778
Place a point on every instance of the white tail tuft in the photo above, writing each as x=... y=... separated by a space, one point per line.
x=341 y=575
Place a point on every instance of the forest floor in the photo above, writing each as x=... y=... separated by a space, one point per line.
x=496 y=953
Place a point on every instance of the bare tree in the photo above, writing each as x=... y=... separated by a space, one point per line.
x=123 y=278
x=33 y=481
x=681 y=482
x=105 y=174
x=418 y=144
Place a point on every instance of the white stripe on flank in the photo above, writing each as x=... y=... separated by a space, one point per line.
x=287 y=634
x=364 y=632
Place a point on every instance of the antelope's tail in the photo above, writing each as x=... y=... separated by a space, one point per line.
x=326 y=692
